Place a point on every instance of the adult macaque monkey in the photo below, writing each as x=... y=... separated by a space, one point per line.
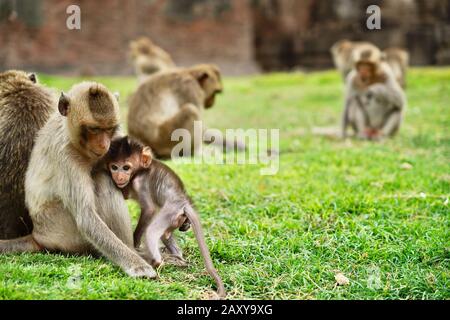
x=174 y=100
x=375 y=101
x=398 y=60
x=155 y=185
x=74 y=209
x=148 y=58
x=343 y=54
x=25 y=106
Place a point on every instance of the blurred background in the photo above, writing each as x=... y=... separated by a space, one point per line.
x=241 y=36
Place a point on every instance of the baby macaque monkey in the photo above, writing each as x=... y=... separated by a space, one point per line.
x=154 y=185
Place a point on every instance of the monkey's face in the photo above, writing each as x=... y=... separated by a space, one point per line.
x=126 y=160
x=92 y=114
x=365 y=71
x=96 y=140
x=211 y=83
x=122 y=172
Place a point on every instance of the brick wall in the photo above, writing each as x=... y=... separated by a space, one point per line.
x=239 y=35
x=202 y=32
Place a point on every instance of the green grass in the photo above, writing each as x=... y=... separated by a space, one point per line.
x=333 y=206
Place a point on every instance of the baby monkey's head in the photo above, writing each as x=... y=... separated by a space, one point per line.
x=125 y=158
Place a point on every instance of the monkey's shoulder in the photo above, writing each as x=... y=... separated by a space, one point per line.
x=162 y=173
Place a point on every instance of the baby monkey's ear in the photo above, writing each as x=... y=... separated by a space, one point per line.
x=146 y=157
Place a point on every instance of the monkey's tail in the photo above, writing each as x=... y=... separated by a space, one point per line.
x=20 y=245
x=198 y=231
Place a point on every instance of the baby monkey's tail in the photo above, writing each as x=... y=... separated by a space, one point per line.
x=198 y=231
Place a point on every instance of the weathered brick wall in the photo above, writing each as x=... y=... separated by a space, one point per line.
x=239 y=35
x=196 y=32
x=422 y=26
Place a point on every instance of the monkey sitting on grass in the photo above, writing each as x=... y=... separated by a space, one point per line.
x=154 y=185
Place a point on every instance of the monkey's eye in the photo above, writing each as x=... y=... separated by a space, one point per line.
x=94 y=130
x=114 y=167
x=126 y=168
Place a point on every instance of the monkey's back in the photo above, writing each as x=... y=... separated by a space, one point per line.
x=165 y=184
x=24 y=109
x=158 y=99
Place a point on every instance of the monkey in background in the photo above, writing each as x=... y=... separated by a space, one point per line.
x=148 y=58
x=75 y=209
x=25 y=106
x=343 y=53
x=398 y=60
x=154 y=185
x=174 y=100
x=374 y=102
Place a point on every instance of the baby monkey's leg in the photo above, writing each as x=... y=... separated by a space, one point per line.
x=144 y=221
x=148 y=209
x=161 y=227
x=175 y=255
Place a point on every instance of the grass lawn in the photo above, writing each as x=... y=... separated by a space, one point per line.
x=377 y=212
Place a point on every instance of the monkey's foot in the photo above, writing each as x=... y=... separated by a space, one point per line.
x=175 y=260
x=142 y=271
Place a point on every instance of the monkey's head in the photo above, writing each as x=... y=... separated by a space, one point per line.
x=142 y=46
x=125 y=158
x=209 y=78
x=367 y=62
x=341 y=46
x=92 y=114
x=17 y=77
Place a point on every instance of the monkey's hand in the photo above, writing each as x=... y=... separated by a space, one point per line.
x=142 y=271
x=373 y=134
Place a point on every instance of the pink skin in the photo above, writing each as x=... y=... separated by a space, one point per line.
x=121 y=173
x=365 y=71
x=372 y=133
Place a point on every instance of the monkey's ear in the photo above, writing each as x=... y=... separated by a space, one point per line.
x=201 y=76
x=117 y=96
x=146 y=157
x=63 y=104
x=32 y=77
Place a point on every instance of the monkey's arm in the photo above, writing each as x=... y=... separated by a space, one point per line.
x=142 y=190
x=390 y=93
x=350 y=93
x=349 y=96
x=344 y=120
x=82 y=205
x=392 y=124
